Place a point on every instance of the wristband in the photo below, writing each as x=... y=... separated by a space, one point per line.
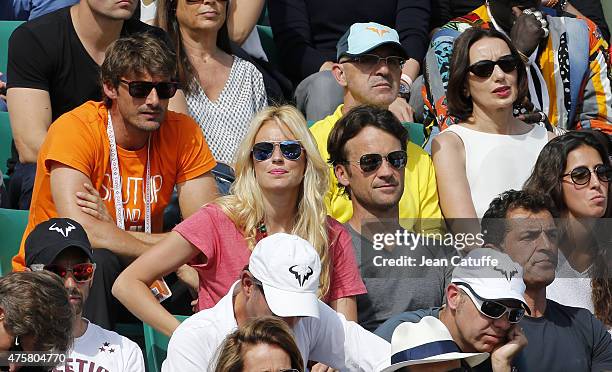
x=406 y=79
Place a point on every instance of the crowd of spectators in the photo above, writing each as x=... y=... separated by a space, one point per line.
x=311 y=212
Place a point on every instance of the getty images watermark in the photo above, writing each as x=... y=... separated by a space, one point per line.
x=430 y=248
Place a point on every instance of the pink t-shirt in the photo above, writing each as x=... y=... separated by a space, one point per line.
x=216 y=236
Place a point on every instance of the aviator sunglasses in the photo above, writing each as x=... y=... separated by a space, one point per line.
x=371 y=60
x=81 y=272
x=142 y=89
x=493 y=309
x=484 y=69
x=291 y=150
x=371 y=162
x=582 y=175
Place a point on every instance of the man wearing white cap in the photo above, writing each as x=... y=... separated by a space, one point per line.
x=561 y=338
x=282 y=279
x=428 y=346
x=484 y=303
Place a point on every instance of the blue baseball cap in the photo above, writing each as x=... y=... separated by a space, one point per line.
x=362 y=38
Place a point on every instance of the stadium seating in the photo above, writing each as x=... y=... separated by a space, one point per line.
x=6 y=29
x=156 y=346
x=267 y=43
x=416 y=133
x=12 y=225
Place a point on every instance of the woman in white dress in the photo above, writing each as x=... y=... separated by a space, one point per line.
x=489 y=151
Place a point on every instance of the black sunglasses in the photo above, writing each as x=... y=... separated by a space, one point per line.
x=371 y=60
x=494 y=309
x=582 y=175
x=142 y=89
x=507 y=63
x=371 y=162
x=291 y=150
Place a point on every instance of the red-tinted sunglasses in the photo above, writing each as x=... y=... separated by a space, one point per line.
x=81 y=272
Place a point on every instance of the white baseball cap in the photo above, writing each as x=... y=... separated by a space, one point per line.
x=427 y=341
x=288 y=268
x=491 y=275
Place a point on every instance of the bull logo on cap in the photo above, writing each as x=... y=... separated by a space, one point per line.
x=64 y=231
x=301 y=273
x=379 y=31
x=506 y=274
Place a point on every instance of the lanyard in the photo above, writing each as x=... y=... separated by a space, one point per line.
x=116 y=178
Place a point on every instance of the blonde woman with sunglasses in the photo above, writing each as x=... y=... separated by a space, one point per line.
x=279 y=187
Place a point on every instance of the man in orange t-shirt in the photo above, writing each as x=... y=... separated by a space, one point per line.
x=111 y=151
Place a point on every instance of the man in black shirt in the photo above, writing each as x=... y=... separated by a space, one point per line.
x=561 y=338
x=54 y=66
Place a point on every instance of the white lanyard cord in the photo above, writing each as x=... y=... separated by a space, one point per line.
x=116 y=179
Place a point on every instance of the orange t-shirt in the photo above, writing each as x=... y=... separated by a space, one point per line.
x=78 y=139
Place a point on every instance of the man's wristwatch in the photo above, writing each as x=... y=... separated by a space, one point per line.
x=404 y=91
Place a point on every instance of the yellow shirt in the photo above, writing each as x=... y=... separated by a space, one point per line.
x=420 y=198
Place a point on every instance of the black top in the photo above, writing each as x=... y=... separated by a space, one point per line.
x=47 y=54
x=306 y=32
x=443 y=11
x=566 y=339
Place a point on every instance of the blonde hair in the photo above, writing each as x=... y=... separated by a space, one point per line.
x=245 y=205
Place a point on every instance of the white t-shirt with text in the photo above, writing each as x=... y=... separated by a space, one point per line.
x=101 y=350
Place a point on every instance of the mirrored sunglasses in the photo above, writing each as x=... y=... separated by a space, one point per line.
x=291 y=150
x=484 y=69
x=371 y=60
x=81 y=272
x=494 y=309
x=582 y=175
x=371 y=162
x=142 y=89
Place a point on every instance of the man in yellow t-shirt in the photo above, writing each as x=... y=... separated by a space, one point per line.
x=370 y=57
x=130 y=141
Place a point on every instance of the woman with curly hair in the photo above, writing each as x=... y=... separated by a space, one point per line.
x=575 y=170
x=280 y=184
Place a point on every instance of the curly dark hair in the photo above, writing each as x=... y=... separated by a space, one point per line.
x=352 y=123
x=36 y=304
x=546 y=178
x=494 y=219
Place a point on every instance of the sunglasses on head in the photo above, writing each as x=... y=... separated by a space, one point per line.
x=81 y=272
x=142 y=89
x=371 y=162
x=371 y=60
x=494 y=309
x=582 y=175
x=507 y=63
x=291 y=150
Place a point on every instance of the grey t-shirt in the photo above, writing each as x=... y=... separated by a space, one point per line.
x=566 y=339
x=389 y=294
